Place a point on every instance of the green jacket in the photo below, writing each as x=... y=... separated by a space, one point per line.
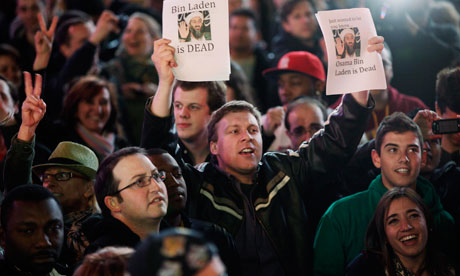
x=342 y=229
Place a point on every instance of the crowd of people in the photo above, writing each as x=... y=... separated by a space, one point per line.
x=111 y=166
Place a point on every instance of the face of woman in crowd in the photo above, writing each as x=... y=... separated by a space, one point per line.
x=94 y=113
x=301 y=22
x=406 y=229
x=7 y=105
x=10 y=70
x=137 y=39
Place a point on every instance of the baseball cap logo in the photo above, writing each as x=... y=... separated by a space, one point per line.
x=284 y=62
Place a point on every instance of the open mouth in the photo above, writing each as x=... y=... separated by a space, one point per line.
x=409 y=240
x=247 y=151
x=402 y=170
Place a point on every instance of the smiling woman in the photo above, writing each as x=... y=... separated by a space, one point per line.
x=400 y=240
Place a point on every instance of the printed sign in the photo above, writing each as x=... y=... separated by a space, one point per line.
x=351 y=68
x=198 y=30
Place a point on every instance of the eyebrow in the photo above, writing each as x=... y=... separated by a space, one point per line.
x=407 y=212
x=391 y=145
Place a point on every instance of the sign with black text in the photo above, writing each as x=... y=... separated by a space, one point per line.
x=198 y=30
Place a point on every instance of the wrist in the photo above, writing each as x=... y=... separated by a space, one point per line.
x=26 y=133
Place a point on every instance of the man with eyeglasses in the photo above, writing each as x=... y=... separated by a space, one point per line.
x=304 y=117
x=132 y=197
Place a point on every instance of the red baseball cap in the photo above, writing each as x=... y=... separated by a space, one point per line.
x=298 y=62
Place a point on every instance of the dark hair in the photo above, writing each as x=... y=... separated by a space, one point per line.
x=376 y=238
x=448 y=89
x=62 y=33
x=8 y=50
x=30 y=192
x=289 y=6
x=106 y=184
x=85 y=89
x=156 y=151
x=248 y=14
x=397 y=122
x=230 y=107
x=13 y=90
x=216 y=91
x=239 y=83
x=302 y=101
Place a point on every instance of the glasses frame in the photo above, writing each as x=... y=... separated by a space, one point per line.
x=157 y=176
x=71 y=175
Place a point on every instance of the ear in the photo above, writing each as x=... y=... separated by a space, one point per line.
x=89 y=192
x=213 y=147
x=319 y=85
x=375 y=158
x=112 y=203
x=424 y=158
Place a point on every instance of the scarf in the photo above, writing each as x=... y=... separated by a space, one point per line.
x=102 y=144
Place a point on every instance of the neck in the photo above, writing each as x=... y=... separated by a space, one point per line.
x=174 y=219
x=390 y=186
x=381 y=99
x=413 y=264
x=198 y=148
x=142 y=228
x=447 y=145
x=239 y=54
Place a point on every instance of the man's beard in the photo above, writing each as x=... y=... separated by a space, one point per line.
x=197 y=34
x=350 y=49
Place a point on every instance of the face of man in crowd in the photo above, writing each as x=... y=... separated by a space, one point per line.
x=239 y=144
x=191 y=112
x=73 y=194
x=27 y=11
x=78 y=35
x=10 y=70
x=400 y=159
x=7 y=106
x=301 y=23
x=95 y=113
x=175 y=183
x=139 y=204
x=406 y=229
x=304 y=121
x=450 y=142
x=34 y=235
x=243 y=33
x=137 y=39
x=294 y=85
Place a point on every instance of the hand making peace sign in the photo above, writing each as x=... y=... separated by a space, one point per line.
x=33 y=108
x=43 y=42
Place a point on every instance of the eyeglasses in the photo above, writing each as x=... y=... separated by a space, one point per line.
x=301 y=131
x=60 y=176
x=145 y=181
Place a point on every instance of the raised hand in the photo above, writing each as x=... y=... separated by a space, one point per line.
x=339 y=46
x=184 y=30
x=163 y=58
x=107 y=23
x=273 y=120
x=33 y=108
x=43 y=41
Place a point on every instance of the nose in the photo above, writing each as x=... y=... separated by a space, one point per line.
x=404 y=158
x=183 y=113
x=246 y=136
x=171 y=180
x=43 y=240
x=406 y=225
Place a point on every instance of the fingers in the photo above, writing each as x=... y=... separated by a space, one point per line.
x=28 y=83
x=41 y=22
x=38 y=85
x=163 y=52
x=375 y=44
x=50 y=32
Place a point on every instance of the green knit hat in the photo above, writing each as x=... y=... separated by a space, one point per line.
x=73 y=156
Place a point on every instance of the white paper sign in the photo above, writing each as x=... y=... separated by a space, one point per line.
x=351 y=67
x=198 y=30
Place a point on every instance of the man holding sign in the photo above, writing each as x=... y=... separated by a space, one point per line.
x=263 y=200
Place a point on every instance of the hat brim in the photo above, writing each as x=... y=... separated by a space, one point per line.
x=86 y=171
x=273 y=73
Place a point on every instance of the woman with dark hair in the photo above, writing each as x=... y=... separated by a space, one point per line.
x=88 y=117
x=400 y=240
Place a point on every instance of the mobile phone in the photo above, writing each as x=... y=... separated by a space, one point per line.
x=446 y=126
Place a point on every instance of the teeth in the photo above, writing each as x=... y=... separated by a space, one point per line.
x=410 y=237
x=247 y=151
x=402 y=170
